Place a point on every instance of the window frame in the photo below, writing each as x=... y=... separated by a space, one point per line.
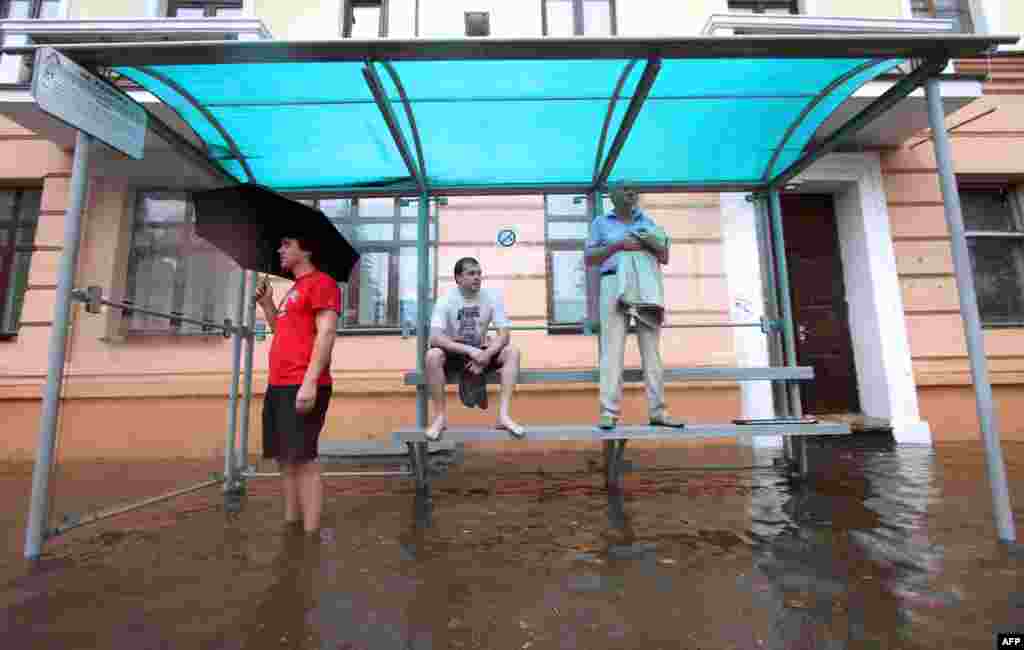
x=209 y=7
x=7 y=295
x=33 y=14
x=393 y=247
x=577 y=17
x=932 y=11
x=487 y=19
x=1015 y=195
x=180 y=290
x=551 y=246
x=760 y=7
x=348 y=16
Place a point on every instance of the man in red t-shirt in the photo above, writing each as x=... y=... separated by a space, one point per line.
x=299 y=389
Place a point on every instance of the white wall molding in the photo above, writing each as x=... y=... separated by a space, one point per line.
x=878 y=328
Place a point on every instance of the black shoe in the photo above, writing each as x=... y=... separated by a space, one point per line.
x=666 y=421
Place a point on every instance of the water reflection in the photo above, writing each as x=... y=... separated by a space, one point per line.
x=880 y=549
x=850 y=555
x=282 y=617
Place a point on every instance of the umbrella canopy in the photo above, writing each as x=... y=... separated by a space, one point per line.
x=247 y=222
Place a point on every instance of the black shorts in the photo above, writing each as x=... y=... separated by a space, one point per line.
x=288 y=436
x=455 y=364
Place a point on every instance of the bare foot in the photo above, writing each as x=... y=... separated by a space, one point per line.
x=506 y=423
x=436 y=429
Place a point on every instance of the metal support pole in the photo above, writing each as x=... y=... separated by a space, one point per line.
x=771 y=299
x=236 y=362
x=971 y=318
x=424 y=284
x=594 y=279
x=786 y=313
x=39 y=505
x=250 y=344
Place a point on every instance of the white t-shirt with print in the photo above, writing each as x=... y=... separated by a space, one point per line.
x=467 y=321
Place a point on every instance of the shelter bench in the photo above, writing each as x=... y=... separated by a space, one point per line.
x=615 y=440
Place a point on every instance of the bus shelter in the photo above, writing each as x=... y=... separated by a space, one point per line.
x=433 y=118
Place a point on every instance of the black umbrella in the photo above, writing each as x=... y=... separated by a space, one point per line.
x=247 y=222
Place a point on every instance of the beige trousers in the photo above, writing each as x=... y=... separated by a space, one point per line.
x=614 y=325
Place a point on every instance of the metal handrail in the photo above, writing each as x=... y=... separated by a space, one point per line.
x=93 y=299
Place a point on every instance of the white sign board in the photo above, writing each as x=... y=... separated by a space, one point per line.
x=79 y=98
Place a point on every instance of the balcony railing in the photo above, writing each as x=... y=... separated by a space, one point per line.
x=726 y=24
x=18 y=69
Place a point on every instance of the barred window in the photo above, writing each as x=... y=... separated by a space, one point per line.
x=995 y=239
x=172 y=270
x=19 y=214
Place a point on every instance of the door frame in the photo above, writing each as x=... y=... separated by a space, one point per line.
x=885 y=378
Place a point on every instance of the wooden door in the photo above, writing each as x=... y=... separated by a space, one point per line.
x=820 y=312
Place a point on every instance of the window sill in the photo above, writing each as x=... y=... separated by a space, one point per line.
x=371 y=331
x=567 y=328
x=132 y=334
x=8 y=336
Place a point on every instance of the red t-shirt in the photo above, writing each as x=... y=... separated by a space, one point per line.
x=295 y=330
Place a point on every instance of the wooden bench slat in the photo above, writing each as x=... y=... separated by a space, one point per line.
x=627 y=432
x=635 y=375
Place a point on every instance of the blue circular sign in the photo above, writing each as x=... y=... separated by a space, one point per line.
x=507 y=237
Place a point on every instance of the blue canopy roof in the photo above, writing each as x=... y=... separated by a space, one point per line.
x=690 y=113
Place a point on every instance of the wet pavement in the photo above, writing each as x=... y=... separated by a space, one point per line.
x=887 y=547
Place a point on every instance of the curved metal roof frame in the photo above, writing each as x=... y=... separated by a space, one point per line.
x=929 y=51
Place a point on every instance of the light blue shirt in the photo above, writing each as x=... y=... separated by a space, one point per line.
x=609 y=229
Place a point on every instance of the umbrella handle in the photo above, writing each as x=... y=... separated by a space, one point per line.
x=263 y=282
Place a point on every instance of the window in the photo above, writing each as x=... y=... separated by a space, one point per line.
x=382 y=289
x=957 y=10
x=204 y=9
x=171 y=270
x=764 y=6
x=995 y=239
x=19 y=214
x=578 y=17
x=478 y=23
x=365 y=19
x=566 y=227
x=15 y=9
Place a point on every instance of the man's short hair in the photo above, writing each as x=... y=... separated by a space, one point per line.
x=309 y=244
x=460 y=266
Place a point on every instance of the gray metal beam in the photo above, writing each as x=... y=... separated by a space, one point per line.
x=417 y=142
x=214 y=122
x=865 y=46
x=971 y=318
x=599 y=155
x=384 y=104
x=786 y=317
x=629 y=432
x=423 y=290
x=247 y=371
x=635 y=375
x=888 y=99
x=817 y=99
x=521 y=189
x=643 y=88
x=39 y=504
x=230 y=468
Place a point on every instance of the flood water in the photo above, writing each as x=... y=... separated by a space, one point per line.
x=886 y=547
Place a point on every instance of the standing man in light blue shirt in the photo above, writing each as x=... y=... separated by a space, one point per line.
x=625 y=228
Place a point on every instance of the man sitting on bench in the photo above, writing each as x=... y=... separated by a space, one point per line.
x=459 y=343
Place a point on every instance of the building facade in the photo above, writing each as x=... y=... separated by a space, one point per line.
x=875 y=300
